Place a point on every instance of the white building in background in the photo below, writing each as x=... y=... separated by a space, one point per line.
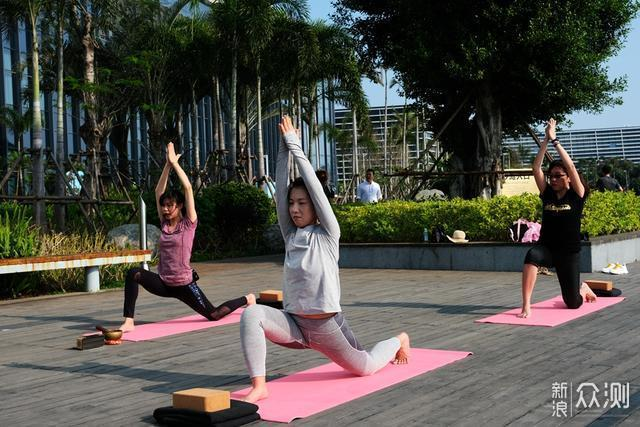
x=596 y=144
x=374 y=159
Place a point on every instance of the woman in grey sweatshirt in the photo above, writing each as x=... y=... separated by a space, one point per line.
x=311 y=315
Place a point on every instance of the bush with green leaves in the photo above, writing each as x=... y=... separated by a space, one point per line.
x=18 y=237
x=232 y=218
x=611 y=212
x=482 y=220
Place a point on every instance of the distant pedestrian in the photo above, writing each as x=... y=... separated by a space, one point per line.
x=606 y=182
x=369 y=190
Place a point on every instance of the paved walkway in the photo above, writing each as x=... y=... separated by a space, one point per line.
x=508 y=380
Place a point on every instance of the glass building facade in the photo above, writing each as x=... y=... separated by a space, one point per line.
x=416 y=143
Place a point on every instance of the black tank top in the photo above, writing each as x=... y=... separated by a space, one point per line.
x=560 y=229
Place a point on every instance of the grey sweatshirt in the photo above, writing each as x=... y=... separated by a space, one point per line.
x=311 y=279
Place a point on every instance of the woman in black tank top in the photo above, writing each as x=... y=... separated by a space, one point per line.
x=563 y=197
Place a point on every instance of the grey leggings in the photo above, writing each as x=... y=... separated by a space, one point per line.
x=331 y=337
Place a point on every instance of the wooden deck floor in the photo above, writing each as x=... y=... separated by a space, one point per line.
x=508 y=380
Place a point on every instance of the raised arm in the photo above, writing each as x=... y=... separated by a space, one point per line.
x=161 y=186
x=189 y=202
x=320 y=201
x=538 y=174
x=282 y=188
x=575 y=182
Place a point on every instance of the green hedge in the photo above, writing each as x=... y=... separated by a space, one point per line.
x=482 y=220
x=232 y=218
x=18 y=238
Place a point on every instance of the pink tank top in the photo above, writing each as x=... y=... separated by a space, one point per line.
x=174 y=267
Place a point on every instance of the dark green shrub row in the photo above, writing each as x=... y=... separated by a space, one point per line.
x=482 y=220
x=232 y=219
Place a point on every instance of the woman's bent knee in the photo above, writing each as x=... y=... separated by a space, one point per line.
x=573 y=303
x=253 y=313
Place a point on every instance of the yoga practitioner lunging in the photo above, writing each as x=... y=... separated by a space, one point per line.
x=312 y=317
x=559 y=244
x=177 y=213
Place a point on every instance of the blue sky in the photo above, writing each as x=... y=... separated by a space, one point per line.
x=627 y=62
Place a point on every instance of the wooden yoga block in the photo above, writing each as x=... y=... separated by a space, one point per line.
x=88 y=342
x=202 y=399
x=271 y=295
x=605 y=285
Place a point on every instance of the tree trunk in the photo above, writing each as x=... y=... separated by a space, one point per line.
x=488 y=121
x=233 y=158
x=243 y=152
x=311 y=121
x=386 y=90
x=220 y=128
x=89 y=131
x=119 y=138
x=476 y=146
x=405 y=151
x=260 y=143
x=155 y=132
x=354 y=156
x=59 y=209
x=39 y=213
x=195 y=138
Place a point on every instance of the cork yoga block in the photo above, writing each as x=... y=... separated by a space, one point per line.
x=605 y=285
x=202 y=399
x=271 y=295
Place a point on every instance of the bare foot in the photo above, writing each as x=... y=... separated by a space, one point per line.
x=526 y=312
x=128 y=325
x=402 y=356
x=251 y=299
x=587 y=293
x=256 y=393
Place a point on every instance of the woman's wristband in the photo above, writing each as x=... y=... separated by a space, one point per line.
x=555 y=141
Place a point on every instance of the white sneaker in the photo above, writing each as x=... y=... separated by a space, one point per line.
x=608 y=268
x=619 y=269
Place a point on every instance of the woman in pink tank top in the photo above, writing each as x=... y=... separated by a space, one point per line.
x=175 y=277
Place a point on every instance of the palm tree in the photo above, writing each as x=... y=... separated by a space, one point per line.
x=29 y=11
x=58 y=8
x=261 y=19
x=103 y=92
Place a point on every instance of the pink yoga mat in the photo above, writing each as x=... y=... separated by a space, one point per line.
x=149 y=331
x=309 y=392
x=551 y=312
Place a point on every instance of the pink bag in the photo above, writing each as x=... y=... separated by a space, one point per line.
x=523 y=231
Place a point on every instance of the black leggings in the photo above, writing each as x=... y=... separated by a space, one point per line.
x=190 y=294
x=567 y=267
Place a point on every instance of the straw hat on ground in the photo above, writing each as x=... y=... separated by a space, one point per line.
x=459 y=236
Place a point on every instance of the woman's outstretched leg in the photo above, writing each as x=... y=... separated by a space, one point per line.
x=230 y=306
x=193 y=296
